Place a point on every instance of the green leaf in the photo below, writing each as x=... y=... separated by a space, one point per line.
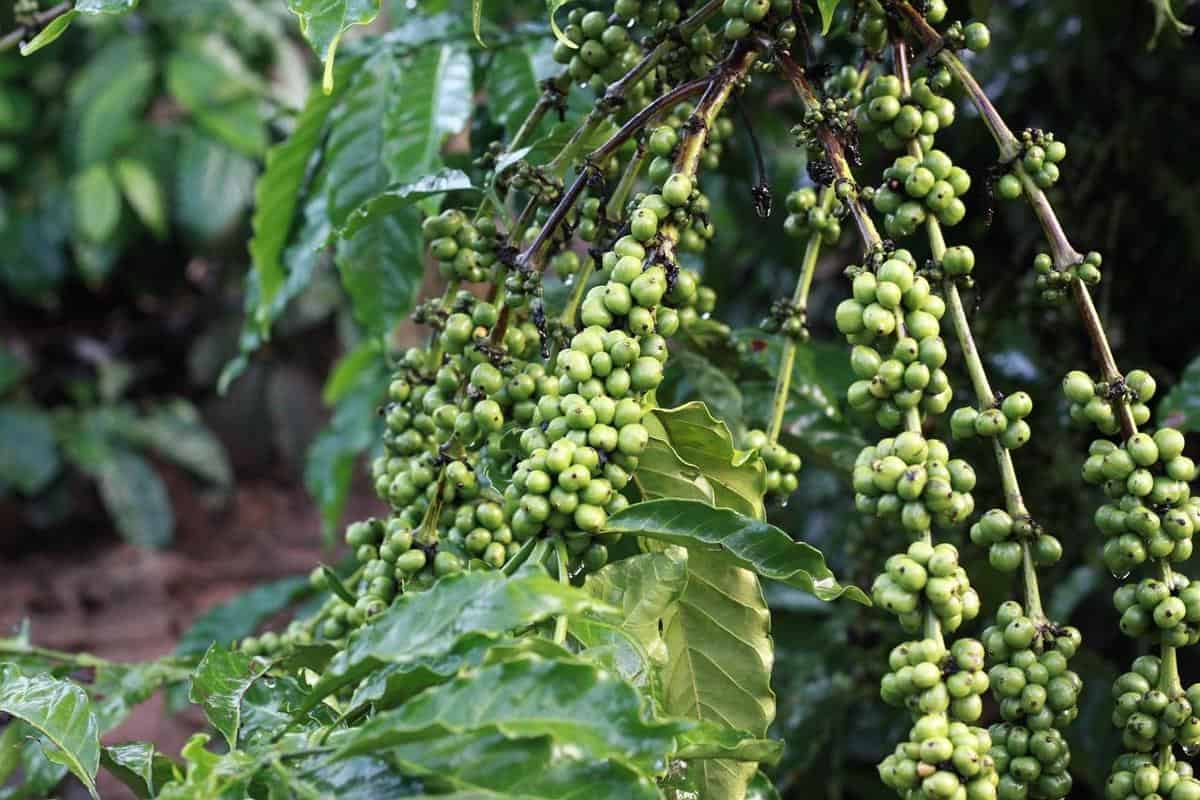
x=60 y=711
x=710 y=740
x=324 y=21
x=477 y=20
x=382 y=268
x=553 y=6
x=720 y=670
x=57 y=27
x=431 y=101
x=827 y=7
x=145 y=195
x=105 y=6
x=402 y=196
x=348 y=369
x=29 y=457
x=692 y=376
x=744 y=541
x=211 y=776
x=136 y=498
x=219 y=683
x=277 y=195
x=241 y=615
x=107 y=98
x=738 y=480
x=175 y=432
x=430 y=623
x=662 y=473
x=761 y=788
x=583 y=708
x=214 y=185
x=644 y=588
x=392 y=684
x=1180 y=408
x=96 y=201
x=221 y=94
x=139 y=766
x=513 y=83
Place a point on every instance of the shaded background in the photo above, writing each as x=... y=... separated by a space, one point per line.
x=134 y=495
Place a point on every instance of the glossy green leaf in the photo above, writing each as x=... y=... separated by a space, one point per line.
x=212 y=776
x=527 y=698
x=827 y=7
x=97 y=203
x=357 y=138
x=396 y=198
x=513 y=83
x=60 y=711
x=738 y=480
x=744 y=541
x=29 y=457
x=324 y=21
x=116 y=689
x=432 y=101
x=175 y=431
x=362 y=778
x=644 y=588
x=135 y=498
x=382 y=268
x=711 y=740
x=47 y=35
x=1180 y=407
x=277 y=196
x=139 y=766
x=144 y=194
x=608 y=646
x=430 y=623
x=662 y=473
x=761 y=788
x=348 y=369
x=720 y=670
x=241 y=615
x=219 y=683
x=392 y=684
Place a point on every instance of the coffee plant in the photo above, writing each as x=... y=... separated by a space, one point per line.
x=563 y=595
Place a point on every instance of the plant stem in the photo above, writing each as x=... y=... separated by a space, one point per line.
x=560 y=555
x=40 y=20
x=787 y=358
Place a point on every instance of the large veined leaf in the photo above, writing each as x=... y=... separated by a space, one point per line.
x=514 y=82
x=741 y=540
x=382 y=268
x=362 y=778
x=357 y=138
x=324 y=21
x=29 y=457
x=60 y=711
x=402 y=196
x=486 y=765
x=644 y=588
x=392 y=684
x=139 y=766
x=662 y=473
x=588 y=710
x=136 y=498
x=277 y=196
x=430 y=623
x=219 y=683
x=738 y=479
x=711 y=740
x=431 y=101
x=720 y=669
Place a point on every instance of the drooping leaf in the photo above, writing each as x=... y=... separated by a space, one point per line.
x=720 y=669
x=324 y=21
x=47 y=35
x=738 y=480
x=432 y=101
x=662 y=473
x=744 y=541
x=277 y=196
x=402 y=196
x=827 y=7
x=382 y=268
x=357 y=138
x=1180 y=407
x=60 y=711
x=220 y=681
x=241 y=615
x=29 y=457
x=139 y=766
x=514 y=83
x=144 y=194
x=136 y=498
x=530 y=697
x=430 y=623
x=175 y=432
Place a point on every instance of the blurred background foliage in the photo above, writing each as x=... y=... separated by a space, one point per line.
x=128 y=160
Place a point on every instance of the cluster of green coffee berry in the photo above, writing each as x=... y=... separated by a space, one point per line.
x=806 y=217
x=1054 y=284
x=1004 y=422
x=595 y=51
x=1038 y=697
x=897 y=120
x=1140 y=776
x=465 y=250
x=1168 y=610
x=743 y=16
x=973 y=36
x=1005 y=538
x=942 y=760
x=926 y=576
x=1039 y=159
x=783 y=465
x=913 y=480
x=912 y=377
x=648 y=13
x=1149 y=717
x=1092 y=401
x=1151 y=513
x=913 y=189
x=925 y=679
